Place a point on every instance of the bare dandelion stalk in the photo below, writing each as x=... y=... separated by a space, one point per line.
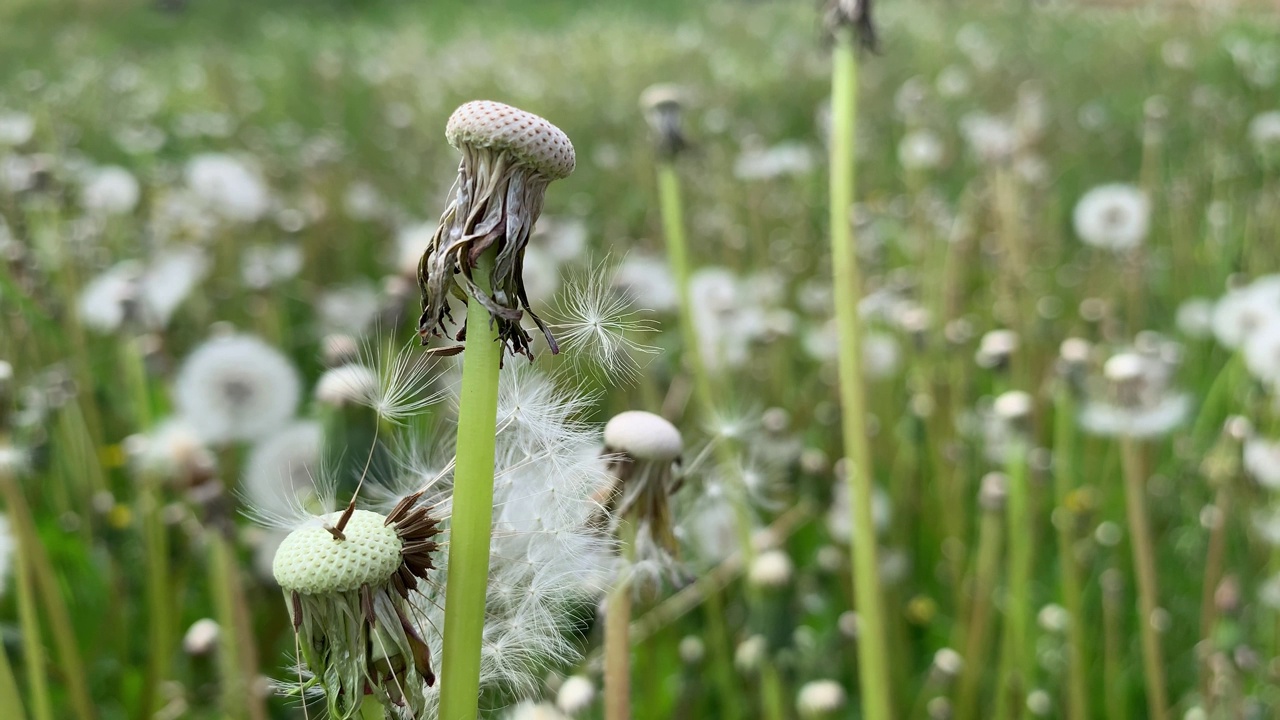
x=678 y=258
x=1016 y=662
x=469 y=535
x=237 y=655
x=1069 y=573
x=873 y=652
x=32 y=644
x=986 y=572
x=1144 y=561
x=617 y=636
x=508 y=158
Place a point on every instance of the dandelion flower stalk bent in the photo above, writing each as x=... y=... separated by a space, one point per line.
x=873 y=655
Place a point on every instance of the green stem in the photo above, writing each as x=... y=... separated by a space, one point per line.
x=1144 y=561
x=990 y=532
x=771 y=692
x=46 y=580
x=472 y=525
x=678 y=259
x=617 y=638
x=721 y=652
x=32 y=646
x=1017 y=662
x=873 y=653
x=159 y=605
x=1115 y=685
x=228 y=646
x=1069 y=573
x=10 y=698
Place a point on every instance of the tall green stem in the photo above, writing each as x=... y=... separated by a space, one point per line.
x=990 y=532
x=1144 y=561
x=678 y=258
x=617 y=638
x=1069 y=573
x=1017 y=662
x=472 y=525
x=873 y=653
x=32 y=644
x=10 y=698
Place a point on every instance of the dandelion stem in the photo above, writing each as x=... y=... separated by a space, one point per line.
x=1069 y=573
x=32 y=645
x=873 y=655
x=51 y=594
x=990 y=539
x=237 y=655
x=1144 y=562
x=10 y=698
x=1017 y=663
x=1116 y=687
x=617 y=641
x=159 y=606
x=472 y=526
x=678 y=258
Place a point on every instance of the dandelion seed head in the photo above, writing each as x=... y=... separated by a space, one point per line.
x=227 y=187
x=920 y=150
x=110 y=190
x=201 y=638
x=16 y=128
x=1261 y=458
x=576 y=694
x=643 y=436
x=236 y=388
x=820 y=698
x=771 y=570
x=1113 y=217
x=1243 y=311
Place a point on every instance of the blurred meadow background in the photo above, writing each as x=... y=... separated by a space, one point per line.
x=211 y=218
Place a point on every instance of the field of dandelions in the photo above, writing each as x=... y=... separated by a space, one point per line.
x=1056 y=496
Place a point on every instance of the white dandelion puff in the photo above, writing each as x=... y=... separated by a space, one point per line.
x=110 y=190
x=1113 y=217
x=236 y=388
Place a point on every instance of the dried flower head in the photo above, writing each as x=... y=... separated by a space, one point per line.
x=662 y=105
x=643 y=451
x=348 y=593
x=855 y=14
x=509 y=157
